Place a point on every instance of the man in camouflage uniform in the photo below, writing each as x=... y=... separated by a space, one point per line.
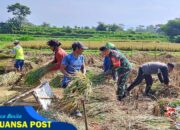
x=107 y=61
x=119 y=63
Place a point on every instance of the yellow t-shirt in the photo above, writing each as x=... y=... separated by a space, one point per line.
x=19 y=54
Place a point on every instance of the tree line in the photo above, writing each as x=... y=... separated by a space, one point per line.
x=19 y=24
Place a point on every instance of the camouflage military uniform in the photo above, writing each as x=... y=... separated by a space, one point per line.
x=122 y=66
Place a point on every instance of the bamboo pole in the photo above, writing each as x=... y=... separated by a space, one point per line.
x=85 y=115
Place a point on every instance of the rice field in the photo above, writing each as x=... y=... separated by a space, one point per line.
x=135 y=112
x=140 y=46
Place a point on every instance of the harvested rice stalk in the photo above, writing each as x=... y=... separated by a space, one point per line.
x=5 y=56
x=80 y=85
x=168 y=91
x=96 y=79
x=34 y=76
x=157 y=110
x=9 y=78
x=56 y=82
x=69 y=104
x=79 y=88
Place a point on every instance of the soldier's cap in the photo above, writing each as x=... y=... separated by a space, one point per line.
x=110 y=45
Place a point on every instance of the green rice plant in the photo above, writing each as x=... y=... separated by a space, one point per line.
x=56 y=82
x=34 y=76
x=96 y=79
x=25 y=38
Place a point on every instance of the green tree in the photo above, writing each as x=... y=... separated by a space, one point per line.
x=101 y=26
x=13 y=25
x=10 y=26
x=177 y=39
x=151 y=29
x=67 y=29
x=20 y=12
x=114 y=27
x=44 y=24
x=2 y=24
x=172 y=28
x=140 y=28
x=86 y=27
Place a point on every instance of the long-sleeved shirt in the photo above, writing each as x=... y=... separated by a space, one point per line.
x=161 y=69
x=119 y=61
x=58 y=56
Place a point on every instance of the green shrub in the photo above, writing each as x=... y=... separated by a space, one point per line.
x=177 y=39
x=6 y=38
x=25 y=38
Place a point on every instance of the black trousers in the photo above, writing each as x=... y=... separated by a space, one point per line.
x=139 y=79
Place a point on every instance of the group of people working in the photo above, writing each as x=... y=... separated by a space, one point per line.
x=115 y=64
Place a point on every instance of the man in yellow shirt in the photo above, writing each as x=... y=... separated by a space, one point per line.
x=19 y=56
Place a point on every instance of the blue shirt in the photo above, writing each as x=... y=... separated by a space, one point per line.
x=107 y=63
x=73 y=63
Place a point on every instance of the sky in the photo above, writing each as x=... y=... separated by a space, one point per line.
x=131 y=13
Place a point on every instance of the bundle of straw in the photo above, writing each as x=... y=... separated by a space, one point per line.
x=79 y=88
x=9 y=78
x=34 y=76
